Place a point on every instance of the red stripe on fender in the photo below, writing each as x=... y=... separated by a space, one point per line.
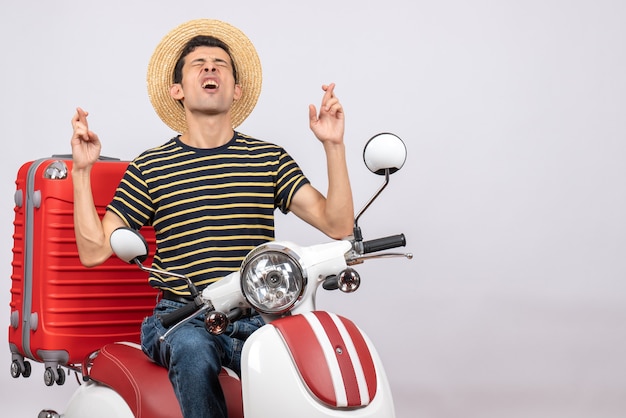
x=367 y=363
x=344 y=360
x=308 y=356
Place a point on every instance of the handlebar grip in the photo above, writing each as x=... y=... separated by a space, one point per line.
x=178 y=315
x=385 y=243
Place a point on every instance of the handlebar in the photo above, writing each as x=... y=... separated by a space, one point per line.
x=179 y=314
x=385 y=243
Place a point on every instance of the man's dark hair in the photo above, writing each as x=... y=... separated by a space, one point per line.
x=195 y=42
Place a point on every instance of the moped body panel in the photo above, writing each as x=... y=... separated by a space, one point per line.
x=96 y=401
x=344 y=376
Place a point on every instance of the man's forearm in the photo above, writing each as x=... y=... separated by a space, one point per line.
x=339 y=209
x=88 y=229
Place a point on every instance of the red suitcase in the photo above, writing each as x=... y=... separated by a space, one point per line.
x=61 y=312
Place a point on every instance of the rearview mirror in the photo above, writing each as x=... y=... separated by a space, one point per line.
x=383 y=152
x=129 y=245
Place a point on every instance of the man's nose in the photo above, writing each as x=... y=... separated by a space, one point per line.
x=209 y=67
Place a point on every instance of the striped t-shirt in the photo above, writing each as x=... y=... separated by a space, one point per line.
x=208 y=207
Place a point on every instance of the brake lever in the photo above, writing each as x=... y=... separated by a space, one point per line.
x=361 y=258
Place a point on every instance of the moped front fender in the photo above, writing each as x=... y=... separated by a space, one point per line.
x=315 y=364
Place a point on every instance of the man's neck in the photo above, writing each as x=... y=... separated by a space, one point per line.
x=208 y=132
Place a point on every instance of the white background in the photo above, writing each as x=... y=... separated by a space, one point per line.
x=513 y=198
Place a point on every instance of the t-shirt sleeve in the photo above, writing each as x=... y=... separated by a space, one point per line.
x=289 y=179
x=132 y=201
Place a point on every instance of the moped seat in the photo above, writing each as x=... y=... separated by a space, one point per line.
x=144 y=385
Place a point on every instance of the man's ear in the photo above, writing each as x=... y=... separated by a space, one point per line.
x=238 y=92
x=176 y=91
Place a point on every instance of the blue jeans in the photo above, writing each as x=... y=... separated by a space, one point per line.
x=194 y=358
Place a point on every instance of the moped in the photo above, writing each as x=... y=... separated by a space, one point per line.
x=303 y=363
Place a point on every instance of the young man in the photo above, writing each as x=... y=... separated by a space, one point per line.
x=210 y=193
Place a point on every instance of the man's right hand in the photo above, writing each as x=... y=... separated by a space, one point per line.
x=85 y=144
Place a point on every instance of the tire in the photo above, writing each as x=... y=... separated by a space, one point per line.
x=49 y=376
x=27 y=369
x=16 y=370
x=61 y=376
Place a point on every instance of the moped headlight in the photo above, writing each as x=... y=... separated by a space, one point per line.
x=272 y=280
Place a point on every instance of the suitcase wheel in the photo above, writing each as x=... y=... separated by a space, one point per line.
x=61 y=377
x=52 y=376
x=17 y=369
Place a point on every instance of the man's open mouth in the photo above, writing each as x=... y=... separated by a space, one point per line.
x=210 y=84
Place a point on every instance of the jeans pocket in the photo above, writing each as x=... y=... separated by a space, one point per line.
x=146 y=335
x=150 y=335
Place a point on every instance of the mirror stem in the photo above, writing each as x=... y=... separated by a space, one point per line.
x=192 y=288
x=358 y=236
x=356 y=220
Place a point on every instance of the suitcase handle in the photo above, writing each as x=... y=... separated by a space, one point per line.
x=69 y=157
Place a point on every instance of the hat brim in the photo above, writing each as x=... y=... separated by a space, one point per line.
x=163 y=60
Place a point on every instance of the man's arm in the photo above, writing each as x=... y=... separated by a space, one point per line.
x=333 y=214
x=92 y=234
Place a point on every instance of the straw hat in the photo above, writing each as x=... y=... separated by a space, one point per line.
x=167 y=52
